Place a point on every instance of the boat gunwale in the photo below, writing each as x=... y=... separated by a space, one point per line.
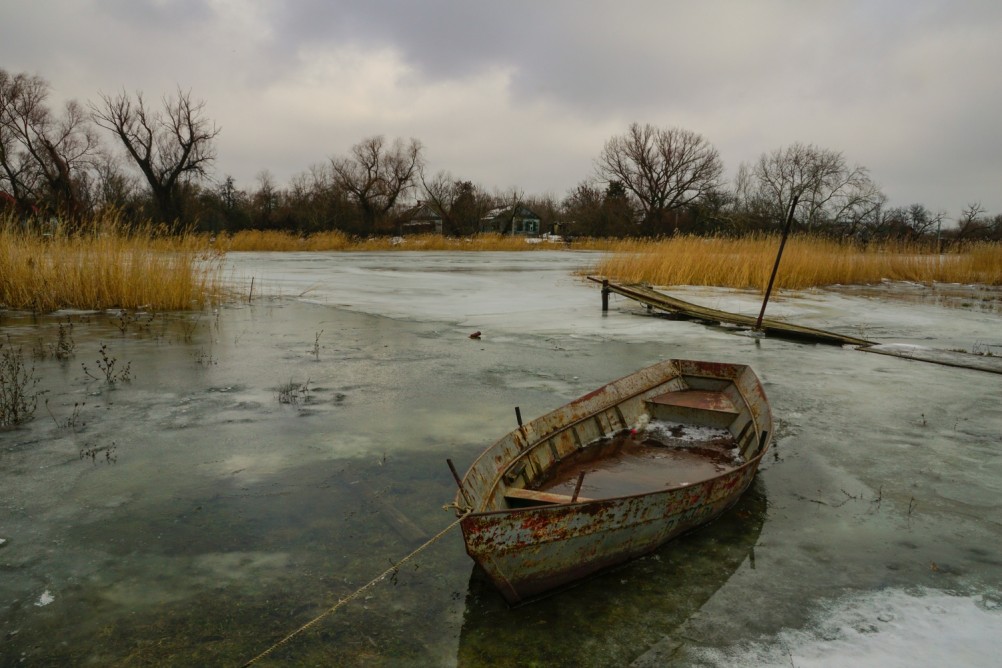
x=673 y=364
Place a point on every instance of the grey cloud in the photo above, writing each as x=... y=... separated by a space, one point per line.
x=907 y=88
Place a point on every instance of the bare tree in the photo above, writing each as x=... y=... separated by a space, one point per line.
x=911 y=221
x=461 y=203
x=44 y=158
x=921 y=220
x=664 y=169
x=590 y=210
x=821 y=182
x=441 y=192
x=376 y=176
x=172 y=146
x=116 y=189
x=17 y=176
x=744 y=209
x=972 y=224
x=265 y=200
x=319 y=202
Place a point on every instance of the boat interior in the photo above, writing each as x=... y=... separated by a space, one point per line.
x=695 y=431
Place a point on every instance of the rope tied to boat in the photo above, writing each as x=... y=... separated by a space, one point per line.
x=358 y=592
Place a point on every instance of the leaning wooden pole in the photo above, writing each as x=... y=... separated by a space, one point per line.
x=779 y=255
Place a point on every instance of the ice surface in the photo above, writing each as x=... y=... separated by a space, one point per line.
x=544 y=291
x=227 y=516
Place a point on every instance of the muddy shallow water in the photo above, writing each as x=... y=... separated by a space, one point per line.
x=263 y=460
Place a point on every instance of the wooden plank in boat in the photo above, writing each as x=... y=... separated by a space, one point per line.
x=541 y=497
x=703 y=399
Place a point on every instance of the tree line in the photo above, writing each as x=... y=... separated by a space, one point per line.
x=151 y=160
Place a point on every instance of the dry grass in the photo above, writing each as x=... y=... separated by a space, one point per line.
x=807 y=262
x=106 y=267
x=273 y=240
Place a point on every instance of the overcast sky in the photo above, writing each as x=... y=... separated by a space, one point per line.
x=525 y=94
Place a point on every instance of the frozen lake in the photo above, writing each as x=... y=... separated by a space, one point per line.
x=239 y=483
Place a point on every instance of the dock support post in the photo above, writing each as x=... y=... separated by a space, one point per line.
x=605 y=296
x=779 y=256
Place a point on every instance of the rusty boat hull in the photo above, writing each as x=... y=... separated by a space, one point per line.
x=530 y=535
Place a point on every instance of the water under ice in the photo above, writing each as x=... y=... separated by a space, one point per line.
x=228 y=516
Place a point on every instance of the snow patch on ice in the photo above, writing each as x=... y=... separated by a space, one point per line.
x=887 y=629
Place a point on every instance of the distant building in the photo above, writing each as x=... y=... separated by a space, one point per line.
x=422 y=218
x=517 y=221
x=12 y=208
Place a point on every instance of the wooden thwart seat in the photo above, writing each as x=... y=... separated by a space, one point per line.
x=702 y=399
x=707 y=406
x=535 y=497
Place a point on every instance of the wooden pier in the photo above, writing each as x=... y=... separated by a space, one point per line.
x=654 y=299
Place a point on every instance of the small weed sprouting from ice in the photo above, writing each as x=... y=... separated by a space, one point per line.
x=316 y=345
x=95 y=450
x=294 y=393
x=123 y=320
x=188 y=325
x=62 y=349
x=107 y=366
x=74 y=422
x=983 y=349
x=204 y=358
x=140 y=321
x=18 y=396
x=65 y=345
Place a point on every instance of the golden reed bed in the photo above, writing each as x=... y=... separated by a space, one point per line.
x=807 y=262
x=107 y=267
x=110 y=266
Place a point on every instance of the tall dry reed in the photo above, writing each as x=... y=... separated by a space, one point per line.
x=107 y=266
x=806 y=262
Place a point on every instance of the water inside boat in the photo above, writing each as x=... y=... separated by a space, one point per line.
x=657 y=456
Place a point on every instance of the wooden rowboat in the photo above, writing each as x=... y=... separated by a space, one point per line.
x=613 y=475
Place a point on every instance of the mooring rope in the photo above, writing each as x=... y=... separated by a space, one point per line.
x=358 y=592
